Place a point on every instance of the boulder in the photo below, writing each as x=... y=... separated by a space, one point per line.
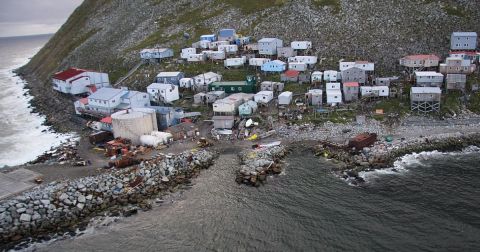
x=25 y=217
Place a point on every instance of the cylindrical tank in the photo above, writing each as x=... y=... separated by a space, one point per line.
x=133 y=123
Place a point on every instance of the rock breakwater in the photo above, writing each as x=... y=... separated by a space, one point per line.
x=62 y=206
x=258 y=163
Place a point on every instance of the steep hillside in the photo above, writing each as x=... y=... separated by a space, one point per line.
x=107 y=35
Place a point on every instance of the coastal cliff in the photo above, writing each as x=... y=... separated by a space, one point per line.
x=107 y=35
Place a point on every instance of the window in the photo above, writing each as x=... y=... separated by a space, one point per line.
x=113 y=101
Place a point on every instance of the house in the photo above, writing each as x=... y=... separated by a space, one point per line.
x=350 y=91
x=202 y=81
x=473 y=56
x=457 y=65
x=208 y=37
x=334 y=94
x=420 y=60
x=170 y=77
x=162 y=92
x=187 y=51
x=200 y=98
x=271 y=86
x=290 y=76
x=428 y=79
x=268 y=46
x=234 y=62
x=212 y=96
x=252 y=47
x=230 y=87
x=285 y=52
x=316 y=77
x=183 y=131
x=227 y=35
x=301 y=45
x=216 y=44
x=298 y=66
x=156 y=54
x=228 y=106
x=375 y=91
x=456 y=81
x=77 y=81
x=223 y=122
x=463 y=41
x=425 y=99
x=331 y=76
x=314 y=97
x=242 y=41
x=309 y=60
x=186 y=83
x=274 y=66
x=364 y=65
x=354 y=74
x=285 y=98
x=258 y=61
x=217 y=55
x=384 y=81
x=106 y=101
x=247 y=109
x=228 y=49
x=197 y=57
x=263 y=97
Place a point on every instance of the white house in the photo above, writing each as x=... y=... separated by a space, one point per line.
x=374 y=91
x=79 y=81
x=201 y=81
x=285 y=98
x=107 y=100
x=197 y=57
x=258 y=61
x=428 y=79
x=186 y=83
x=229 y=49
x=161 y=92
x=330 y=75
x=309 y=60
x=272 y=86
x=263 y=97
x=301 y=45
x=187 y=51
x=217 y=55
x=156 y=53
x=317 y=77
x=216 y=44
x=299 y=66
x=268 y=46
x=314 y=97
x=364 y=65
x=234 y=62
x=334 y=93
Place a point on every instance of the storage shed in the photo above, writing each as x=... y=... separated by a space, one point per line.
x=200 y=98
x=264 y=97
x=350 y=91
x=314 y=97
x=271 y=86
x=186 y=83
x=285 y=52
x=316 y=77
x=223 y=122
x=285 y=98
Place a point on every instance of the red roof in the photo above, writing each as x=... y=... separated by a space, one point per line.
x=291 y=73
x=69 y=73
x=350 y=84
x=422 y=57
x=470 y=53
x=84 y=101
x=107 y=120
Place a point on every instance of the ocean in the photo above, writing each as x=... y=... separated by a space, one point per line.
x=430 y=202
x=22 y=135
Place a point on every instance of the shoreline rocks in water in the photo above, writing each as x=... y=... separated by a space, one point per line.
x=257 y=164
x=62 y=206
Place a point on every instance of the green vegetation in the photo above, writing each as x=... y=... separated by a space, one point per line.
x=250 y=6
x=451 y=102
x=474 y=103
x=296 y=88
x=335 y=4
x=394 y=106
x=336 y=116
x=454 y=11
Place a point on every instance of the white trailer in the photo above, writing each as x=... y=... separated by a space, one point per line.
x=258 y=61
x=197 y=57
x=186 y=82
x=228 y=48
x=215 y=44
x=298 y=66
x=285 y=98
x=217 y=55
x=301 y=45
x=187 y=51
x=263 y=97
x=374 y=91
x=234 y=62
x=309 y=60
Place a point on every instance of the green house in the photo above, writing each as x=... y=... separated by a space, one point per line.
x=230 y=87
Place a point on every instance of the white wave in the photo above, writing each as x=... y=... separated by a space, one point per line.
x=25 y=138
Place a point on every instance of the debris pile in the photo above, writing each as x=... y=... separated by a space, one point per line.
x=65 y=153
x=259 y=163
x=61 y=206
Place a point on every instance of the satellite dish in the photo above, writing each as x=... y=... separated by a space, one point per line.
x=186 y=35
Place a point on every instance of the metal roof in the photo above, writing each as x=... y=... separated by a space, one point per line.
x=428 y=73
x=168 y=74
x=69 y=73
x=106 y=93
x=160 y=85
x=267 y=40
x=426 y=90
x=466 y=34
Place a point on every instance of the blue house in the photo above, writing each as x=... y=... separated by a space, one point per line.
x=464 y=41
x=274 y=66
x=227 y=35
x=209 y=37
x=242 y=41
